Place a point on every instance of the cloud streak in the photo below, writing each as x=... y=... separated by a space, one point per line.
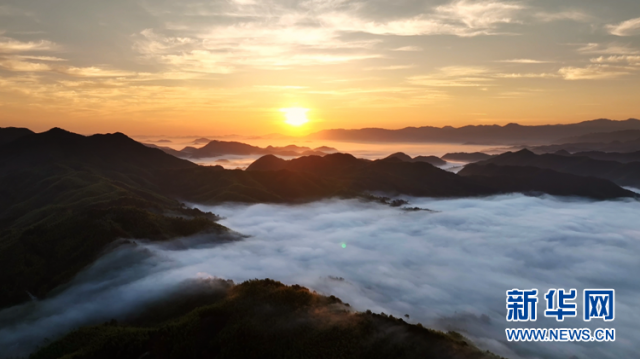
x=626 y=28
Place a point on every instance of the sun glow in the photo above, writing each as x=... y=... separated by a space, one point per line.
x=295 y=116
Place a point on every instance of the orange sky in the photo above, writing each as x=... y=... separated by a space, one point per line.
x=163 y=68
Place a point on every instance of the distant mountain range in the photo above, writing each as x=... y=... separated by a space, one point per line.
x=223 y=148
x=511 y=134
x=600 y=137
x=623 y=174
x=438 y=162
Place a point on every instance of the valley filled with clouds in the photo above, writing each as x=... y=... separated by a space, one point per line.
x=448 y=269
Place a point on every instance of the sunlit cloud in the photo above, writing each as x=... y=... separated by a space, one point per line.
x=9 y=45
x=631 y=60
x=389 y=68
x=524 y=61
x=607 y=49
x=454 y=76
x=591 y=72
x=626 y=28
x=17 y=64
x=529 y=75
x=408 y=48
x=573 y=15
x=95 y=72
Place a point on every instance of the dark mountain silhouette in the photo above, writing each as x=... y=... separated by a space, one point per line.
x=222 y=148
x=64 y=197
x=428 y=159
x=466 y=157
x=268 y=163
x=623 y=174
x=600 y=137
x=615 y=146
x=259 y=319
x=610 y=156
x=483 y=134
x=326 y=149
x=345 y=174
x=167 y=150
x=508 y=179
x=9 y=134
x=113 y=151
x=200 y=141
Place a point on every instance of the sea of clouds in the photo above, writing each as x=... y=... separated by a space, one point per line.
x=447 y=269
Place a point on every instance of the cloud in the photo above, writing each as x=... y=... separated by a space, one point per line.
x=275 y=35
x=17 y=64
x=454 y=76
x=631 y=60
x=480 y=14
x=391 y=67
x=603 y=67
x=591 y=72
x=447 y=270
x=408 y=48
x=95 y=72
x=9 y=45
x=542 y=75
x=626 y=28
x=525 y=61
x=573 y=15
x=607 y=49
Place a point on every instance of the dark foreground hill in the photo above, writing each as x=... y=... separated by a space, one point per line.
x=262 y=319
x=623 y=174
x=9 y=134
x=64 y=197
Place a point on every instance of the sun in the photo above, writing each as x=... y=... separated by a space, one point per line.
x=295 y=116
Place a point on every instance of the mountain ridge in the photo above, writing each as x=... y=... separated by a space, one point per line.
x=478 y=134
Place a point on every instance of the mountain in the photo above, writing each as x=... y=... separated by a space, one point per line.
x=526 y=179
x=611 y=156
x=200 y=141
x=260 y=319
x=167 y=150
x=466 y=157
x=64 y=197
x=346 y=175
x=428 y=159
x=9 y=134
x=223 y=148
x=615 y=146
x=599 y=137
x=482 y=134
x=623 y=174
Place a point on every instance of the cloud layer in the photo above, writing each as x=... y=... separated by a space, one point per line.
x=448 y=269
x=160 y=64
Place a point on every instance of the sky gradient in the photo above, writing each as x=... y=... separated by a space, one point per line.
x=229 y=67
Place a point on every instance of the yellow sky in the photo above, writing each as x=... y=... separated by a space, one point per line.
x=223 y=68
